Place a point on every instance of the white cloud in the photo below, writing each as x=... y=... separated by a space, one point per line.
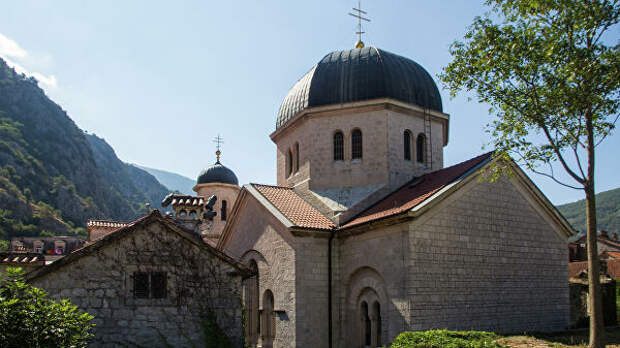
x=10 y=50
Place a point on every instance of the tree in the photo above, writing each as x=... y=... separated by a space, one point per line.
x=29 y=319
x=553 y=82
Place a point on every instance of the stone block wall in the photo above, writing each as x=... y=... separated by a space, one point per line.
x=488 y=260
x=261 y=237
x=101 y=283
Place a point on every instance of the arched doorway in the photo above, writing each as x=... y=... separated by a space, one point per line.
x=252 y=320
x=268 y=324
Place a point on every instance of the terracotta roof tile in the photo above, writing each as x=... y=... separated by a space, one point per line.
x=295 y=208
x=415 y=192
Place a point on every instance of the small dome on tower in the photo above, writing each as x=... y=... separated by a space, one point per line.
x=218 y=173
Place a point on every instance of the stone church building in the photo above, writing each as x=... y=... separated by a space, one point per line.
x=367 y=234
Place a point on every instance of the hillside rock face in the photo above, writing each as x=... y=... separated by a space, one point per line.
x=51 y=171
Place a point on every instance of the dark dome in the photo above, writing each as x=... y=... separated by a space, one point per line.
x=361 y=74
x=217 y=173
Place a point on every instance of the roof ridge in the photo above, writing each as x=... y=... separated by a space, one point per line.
x=267 y=185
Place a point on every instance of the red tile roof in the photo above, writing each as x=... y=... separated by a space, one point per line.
x=416 y=191
x=295 y=208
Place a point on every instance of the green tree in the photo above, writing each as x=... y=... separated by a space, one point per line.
x=552 y=79
x=29 y=319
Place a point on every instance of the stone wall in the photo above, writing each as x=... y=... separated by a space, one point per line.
x=376 y=262
x=259 y=236
x=382 y=134
x=101 y=283
x=487 y=259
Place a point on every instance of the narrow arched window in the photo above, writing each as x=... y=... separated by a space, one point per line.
x=407 y=145
x=289 y=163
x=338 y=146
x=356 y=144
x=421 y=148
x=365 y=324
x=251 y=296
x=296 y=157
x=183 y=213
x=223 y=210
x=376 y=323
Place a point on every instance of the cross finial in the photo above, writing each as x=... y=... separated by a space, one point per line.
x=218 y=145
x=360 y=18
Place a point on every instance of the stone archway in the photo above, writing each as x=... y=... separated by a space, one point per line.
x=367 y=304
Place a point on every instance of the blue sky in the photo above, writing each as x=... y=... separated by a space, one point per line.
x=159 y=80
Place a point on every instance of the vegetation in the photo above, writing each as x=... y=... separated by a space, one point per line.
x=446 y=339
x=53 y=176
x=553 y=82
x=607 y=212
x=29 y=319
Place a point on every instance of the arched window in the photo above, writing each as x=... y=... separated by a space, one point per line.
x=420 y=147
x=192 y=213
x=268 y=325
x=407 y=145
x=296 y=157
x=223 y=210
x=365 y=324
x=376 y=323
x=252 y=325
x=338 y=146
x=182 y=213
x=289 y=162
x=356 y=144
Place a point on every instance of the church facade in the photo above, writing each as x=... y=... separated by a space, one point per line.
x=367 y=234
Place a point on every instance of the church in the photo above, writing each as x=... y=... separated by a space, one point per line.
x=367 y=234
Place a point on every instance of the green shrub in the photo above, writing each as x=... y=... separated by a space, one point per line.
x=446 y=339
x=29 y=319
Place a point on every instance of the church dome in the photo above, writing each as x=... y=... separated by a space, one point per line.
x=361 y=74
x=218 y=173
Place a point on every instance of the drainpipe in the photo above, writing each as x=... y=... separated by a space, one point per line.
x=329 y=284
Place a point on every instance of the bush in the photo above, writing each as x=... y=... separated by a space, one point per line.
x=29 y=319
x=446 y=339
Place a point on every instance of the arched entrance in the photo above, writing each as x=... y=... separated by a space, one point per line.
x=252 y=323
x=268 y=322
x=369 y=311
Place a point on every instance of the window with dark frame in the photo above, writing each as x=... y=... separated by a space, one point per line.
x=296 y=157
x=338 y=146
x=141 y=285
x=420 y=148
x=223 y=210
x=356 y=144
x=407 y=145
x=150 y=285
x=289 y=163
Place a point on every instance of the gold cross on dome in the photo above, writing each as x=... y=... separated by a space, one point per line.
x=360 y=18
x=218 y=146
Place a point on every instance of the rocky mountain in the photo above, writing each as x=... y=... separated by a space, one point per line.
x=53 y=176
x=173 y=181
x=607 y=212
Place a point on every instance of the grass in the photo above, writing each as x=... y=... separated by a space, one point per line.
x=567 y=339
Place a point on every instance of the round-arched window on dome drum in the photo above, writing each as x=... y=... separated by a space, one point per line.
x=356 y=144
x=338 y=146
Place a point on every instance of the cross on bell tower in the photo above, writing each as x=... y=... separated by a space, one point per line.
x=360 y=18
x=218 y=145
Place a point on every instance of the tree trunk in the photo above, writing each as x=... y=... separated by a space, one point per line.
x=595 y=301
x=597 y=326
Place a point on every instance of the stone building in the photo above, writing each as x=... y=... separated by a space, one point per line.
x=149 y=282
x=367 y=234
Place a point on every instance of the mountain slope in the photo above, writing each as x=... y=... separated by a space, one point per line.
x=607 y=212
x=52 y=176
x=173 y=181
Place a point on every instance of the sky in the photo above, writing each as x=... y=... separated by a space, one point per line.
x=158 y=80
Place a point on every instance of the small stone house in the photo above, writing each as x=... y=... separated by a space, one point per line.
x=148 y=282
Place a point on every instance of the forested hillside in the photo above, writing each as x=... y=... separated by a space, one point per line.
x=607 y=212
x=53 y=176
